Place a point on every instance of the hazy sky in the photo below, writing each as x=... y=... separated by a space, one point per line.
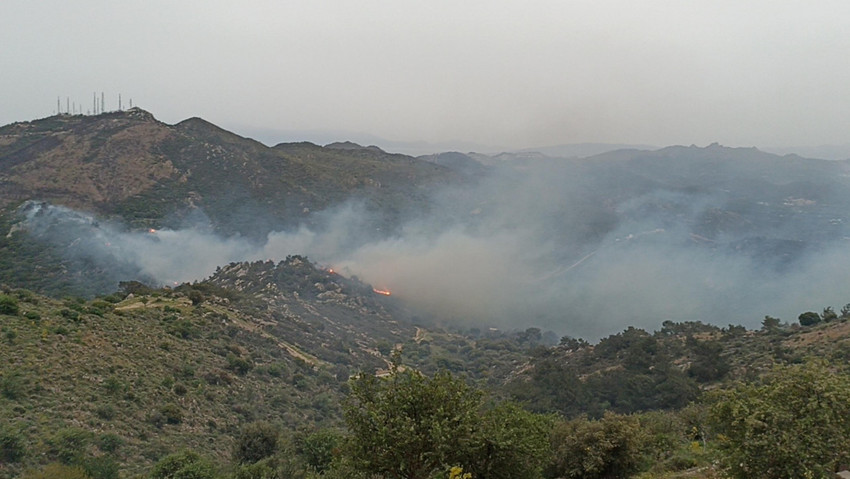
x=511 y=74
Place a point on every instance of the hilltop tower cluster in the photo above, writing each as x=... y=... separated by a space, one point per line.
x=98 y=105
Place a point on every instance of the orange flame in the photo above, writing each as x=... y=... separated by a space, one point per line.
x=382 y=291
x=151 y=230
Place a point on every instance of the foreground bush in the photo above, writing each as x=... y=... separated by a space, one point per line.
x=797 y=424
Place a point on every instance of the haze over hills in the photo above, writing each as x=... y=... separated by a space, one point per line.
x=209 y=282
x=581 y=246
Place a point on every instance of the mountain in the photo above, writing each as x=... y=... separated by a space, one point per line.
x=151 y=174
x=128 y=170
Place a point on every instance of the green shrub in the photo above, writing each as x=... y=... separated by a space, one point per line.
x=69 y=445
x=607 y=448
x=8 y=305
x=101 y=467
x=12 y=448
x=239 y=365
x=183 y=465
x=259 y=470
x=105 y=412
x=171 y=413
x=57 y=471
x=12 y=384
x=109 y=442
x=318 y=447
x=257 y=440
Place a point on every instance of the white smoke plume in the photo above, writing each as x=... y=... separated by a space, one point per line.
x=520 y=250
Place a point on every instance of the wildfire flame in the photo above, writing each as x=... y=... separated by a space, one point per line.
x=151 y=230
x=382 y=291
x=331 y=270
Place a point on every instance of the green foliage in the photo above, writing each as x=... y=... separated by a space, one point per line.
x=172 y=413
x=101 y=467
x=631 y=371
x=109 y=442
x=69 y=445
x=264 y=469
x=794 y=425
x=809 y=318
x=708 y=363
x=318 y=448
x=828 y=314
x=12 y=384
x=409 y=425
x=12 y=445
x=608 y=448
x=239 y=365
x=510 y=443
x=256 y=441
x=9 y=305
x=184 y=465
x=57 y=471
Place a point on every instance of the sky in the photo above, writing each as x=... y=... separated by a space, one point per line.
x=493 y=74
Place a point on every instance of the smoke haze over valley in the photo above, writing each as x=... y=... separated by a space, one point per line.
x=581 y=247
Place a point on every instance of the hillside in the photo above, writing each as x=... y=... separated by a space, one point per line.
x=152 y=174
x=131 y=171
x=146 y=372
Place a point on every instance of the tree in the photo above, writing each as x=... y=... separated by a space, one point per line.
x=257 y=440
x=318 y=448
x=770 y=323
x=609 y=448
x=797 y=424
x=828 y=314
x=183 y=465
x=510 y=443
x=9 y=305
x=809 y=318
x=409 y=426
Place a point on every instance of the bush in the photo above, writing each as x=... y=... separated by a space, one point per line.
x=110 y=442
x=57 y=471
x=794 y=425
x=12 y=384
x=12 y=448
x=69 y=445
x=239 y=365
x=257 y=441
x=259 y=470
x=317 y=448
x=607 y=448
x=101 y=467
x=809 y=318
x=8 y=305
x=183 y=465
x=172 y=414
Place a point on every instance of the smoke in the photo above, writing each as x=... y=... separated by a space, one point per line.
x=527 y=246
